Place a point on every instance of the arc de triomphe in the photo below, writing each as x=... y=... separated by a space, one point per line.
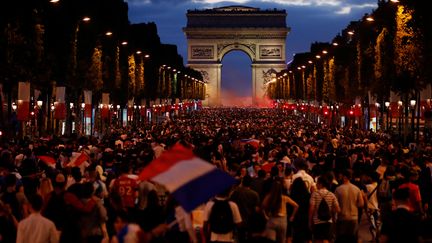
x=261 y=34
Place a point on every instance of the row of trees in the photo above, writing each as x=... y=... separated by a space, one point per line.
x=382 y=57
x=87 y=45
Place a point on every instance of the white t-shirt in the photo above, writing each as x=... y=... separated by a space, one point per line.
x=310 y=183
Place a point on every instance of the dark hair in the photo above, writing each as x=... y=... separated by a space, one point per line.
x=246 y=181
x=261 y=173
x=87 y=190
x=76 y=173
x=299 y=189
x=10 y=180
x=323 y=181
x=401 y=194
x=36 y=202
x=274 y=197
x=347 y=173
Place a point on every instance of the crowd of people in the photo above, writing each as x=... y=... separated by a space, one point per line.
x=298 y=181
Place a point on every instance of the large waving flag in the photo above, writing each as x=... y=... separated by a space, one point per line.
x=191 y=180
x=77 y=159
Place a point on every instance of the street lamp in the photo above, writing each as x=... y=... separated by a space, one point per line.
x=387 y=105
x=14 y=106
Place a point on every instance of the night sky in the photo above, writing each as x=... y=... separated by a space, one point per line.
x=309 y=20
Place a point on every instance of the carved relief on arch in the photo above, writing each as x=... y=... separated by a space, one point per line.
x=224 y=48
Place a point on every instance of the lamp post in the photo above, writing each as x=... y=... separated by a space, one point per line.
x=72 y=117
x=83 y=118
x=119 y=115
x=412 y=106
x=387 y=105
x=400 y=103
x=39 y=122
x=377 y=120
x=52 y=118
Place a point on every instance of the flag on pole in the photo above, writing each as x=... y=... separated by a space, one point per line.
x=105 y=105
x=191 y=180
x=253 y=142
x=48 y=160
x=60 y=106
x=23 y=101
x=88 y=103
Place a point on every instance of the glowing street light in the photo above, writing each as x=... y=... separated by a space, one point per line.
x=335 y=44
x=138 y=52
x=370 y=19
x=108 y=33
x=350 y=32
x=324 y=52
x=54 y=1
x=124 y=43
x=86 y=19
x=147 y=56
x=318 y=56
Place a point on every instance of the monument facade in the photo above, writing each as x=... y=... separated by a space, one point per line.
x=261 y=34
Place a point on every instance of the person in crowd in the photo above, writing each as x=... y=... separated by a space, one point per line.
x=248 y=202
x=8 y=224
x=54 y=207
x=36 y=228
x=322 y=214
x=300 y=226
x=302 y=166
x=402 y=225
x=221 y=217
x=275 y=207
x=258 y=229
x=350 y=199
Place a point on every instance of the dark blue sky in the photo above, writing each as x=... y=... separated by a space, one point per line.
x=309 y=20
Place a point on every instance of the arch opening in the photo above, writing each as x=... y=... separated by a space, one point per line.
x=236 y=79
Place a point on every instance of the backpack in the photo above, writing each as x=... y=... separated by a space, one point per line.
x=384 y=190
x=221 y=217
x=324 y=213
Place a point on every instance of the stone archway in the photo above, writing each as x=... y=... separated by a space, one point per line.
x=212 y=33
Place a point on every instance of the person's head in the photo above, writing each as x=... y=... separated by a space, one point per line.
x=225 y=193
x=299 y=187
x=323 y=182
x=87 y=190
x=76 y=174
x=121 y=220
x=401 y=196
x=246 y=181
x=346 y=175
x=261 y=173
x=10 y=181
x=60 y=181
x=36 y=202
x=301 y=164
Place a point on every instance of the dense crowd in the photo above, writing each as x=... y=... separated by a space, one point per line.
x=297 y=182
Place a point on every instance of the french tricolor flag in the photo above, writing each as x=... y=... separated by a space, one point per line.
x=253 y=142
x=191 y=180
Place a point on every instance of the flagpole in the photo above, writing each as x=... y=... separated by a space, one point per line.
x=174 y=222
